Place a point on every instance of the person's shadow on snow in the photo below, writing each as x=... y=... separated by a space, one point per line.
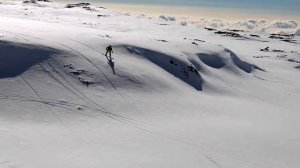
x=111 y=63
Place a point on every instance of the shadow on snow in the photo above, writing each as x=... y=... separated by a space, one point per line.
x=16 y=58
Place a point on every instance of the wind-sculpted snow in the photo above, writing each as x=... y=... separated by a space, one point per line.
x=226 y=59
x=212 y=60
x=171 y=64
x=243 y=65
x=16 y=58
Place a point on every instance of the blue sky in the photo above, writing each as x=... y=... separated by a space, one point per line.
x=258 y=4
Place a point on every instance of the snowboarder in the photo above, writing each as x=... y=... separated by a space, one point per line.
x=109 y=51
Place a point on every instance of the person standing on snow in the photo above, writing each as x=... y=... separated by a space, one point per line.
x=109 y=50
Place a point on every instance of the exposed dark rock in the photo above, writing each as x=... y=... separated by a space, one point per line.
x=102 y=15
x=210 y=29
x=231 y=34
x=293 y=60
x=77 y=5
x=164 y=41
x=195 y=43
x=254 y=35
x=267 y=49
x=236 y=30
x=199 y=40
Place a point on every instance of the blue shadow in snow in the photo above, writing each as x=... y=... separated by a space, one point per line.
x=16 y=58
x=174 y=66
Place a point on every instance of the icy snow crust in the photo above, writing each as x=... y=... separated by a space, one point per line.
x=63 y=104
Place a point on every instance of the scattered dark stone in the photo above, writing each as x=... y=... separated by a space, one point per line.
x=195 y=43
x=210 y=29
x=281 y=56
x=77 y=5
x=231 y=34
x=164 y=41
x=102 y=15
x=283 y=35
x=276 y=37
x=29 y=1
x=236 y=30
x=292 y=60
x=85 y=82
x=89 y=8
x=254 y=35
x=262 y=56
x=274 y=50
x=106 y=36
x=267 y=49
x=289 y=41
x=199 y=40
x=78 y=72
x=34 y=1
x=70 y=66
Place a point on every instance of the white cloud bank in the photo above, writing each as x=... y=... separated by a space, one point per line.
x=252 y=25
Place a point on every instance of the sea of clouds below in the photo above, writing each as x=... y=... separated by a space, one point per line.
x=251 y=25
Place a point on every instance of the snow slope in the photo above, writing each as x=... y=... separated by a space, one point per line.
x=64 y=104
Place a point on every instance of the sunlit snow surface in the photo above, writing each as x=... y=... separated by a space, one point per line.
x=63 y=104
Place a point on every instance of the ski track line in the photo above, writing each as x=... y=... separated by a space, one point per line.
x=272 y=81
x=84 y=97
x=54 y=104
x=78 y=93
x=139 y=127
x=214 y=162
x=66 y=87
x=115 y=88
x=253 y=96
x=23 y=36
x=107 y=78
x=88 y=100
x=15 y=35
x=53 y=113
x=93 y=102
x=152 y=132
x=49 y=102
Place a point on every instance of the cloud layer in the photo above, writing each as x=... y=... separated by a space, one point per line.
x=252 y=25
